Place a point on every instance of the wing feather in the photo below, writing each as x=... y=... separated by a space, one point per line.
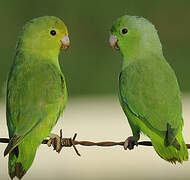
x=150 y=90
x=32 y=91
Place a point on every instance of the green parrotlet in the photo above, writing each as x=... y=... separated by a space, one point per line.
x=148 y=89
x=36 y=90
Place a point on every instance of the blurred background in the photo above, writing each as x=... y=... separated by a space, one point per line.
x=91 y=69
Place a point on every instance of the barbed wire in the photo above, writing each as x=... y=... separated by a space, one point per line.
x=72 y=142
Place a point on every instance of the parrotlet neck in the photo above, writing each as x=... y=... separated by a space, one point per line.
x=139 y=52
x=31 y=54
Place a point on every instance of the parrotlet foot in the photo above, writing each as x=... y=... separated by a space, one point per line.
x=55 y=141
x=130 y=142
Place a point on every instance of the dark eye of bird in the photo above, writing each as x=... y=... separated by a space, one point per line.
x=124 y=31
x=53 y=32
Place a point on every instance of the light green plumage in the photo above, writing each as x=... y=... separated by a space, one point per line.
x=149 y=92
x=36 y=91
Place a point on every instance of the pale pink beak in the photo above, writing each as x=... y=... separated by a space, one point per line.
x=113 y=42
x=65 y=42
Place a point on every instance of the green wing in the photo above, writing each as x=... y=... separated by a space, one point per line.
x=149 y=88
x=33 y=93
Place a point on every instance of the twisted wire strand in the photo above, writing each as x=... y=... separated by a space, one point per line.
x=72 y=142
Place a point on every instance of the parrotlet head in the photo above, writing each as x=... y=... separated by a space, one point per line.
x=133 y=36
x=44 y=36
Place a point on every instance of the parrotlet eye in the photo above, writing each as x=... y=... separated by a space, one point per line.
x=53 y=32
x=124 y=31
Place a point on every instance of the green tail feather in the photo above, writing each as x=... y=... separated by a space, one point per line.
x=170 y=153
x=21 y=160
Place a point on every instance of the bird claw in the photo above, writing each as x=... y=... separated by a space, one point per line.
x=58 y=142
x=130 y=142
x=55 y=141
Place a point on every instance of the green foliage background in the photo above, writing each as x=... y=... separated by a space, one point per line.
x=90 y=66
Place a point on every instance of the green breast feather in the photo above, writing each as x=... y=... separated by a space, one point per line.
x=32 y=91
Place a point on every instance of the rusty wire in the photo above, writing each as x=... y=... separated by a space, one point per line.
x=72 y=142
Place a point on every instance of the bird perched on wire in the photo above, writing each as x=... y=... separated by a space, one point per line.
x=148 y=88
x=36 y=91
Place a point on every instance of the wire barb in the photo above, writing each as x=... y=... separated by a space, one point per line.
x=72 y=142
